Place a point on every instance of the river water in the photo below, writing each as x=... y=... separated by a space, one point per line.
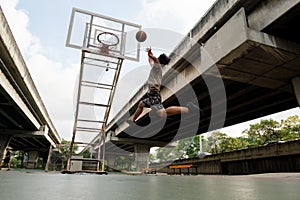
x=34 y=185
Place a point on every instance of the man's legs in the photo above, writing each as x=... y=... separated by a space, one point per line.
x=138 y=111
x=161 y=112
x=175 y=110
x=8 y=166
x=190 y=108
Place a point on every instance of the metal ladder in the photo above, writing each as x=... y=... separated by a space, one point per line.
x=84 y=124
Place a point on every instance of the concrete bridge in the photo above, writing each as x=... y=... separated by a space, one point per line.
x=24 y=122
x=241 y=61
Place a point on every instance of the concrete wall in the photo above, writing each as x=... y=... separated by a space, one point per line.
x=268 y=11
x=89 y=165
x=272 y=158
x=76 y=165
x=274 y=164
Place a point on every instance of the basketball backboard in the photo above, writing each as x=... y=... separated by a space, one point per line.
x=103 y=35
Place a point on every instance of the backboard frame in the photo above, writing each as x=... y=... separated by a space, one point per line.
x=91 y=24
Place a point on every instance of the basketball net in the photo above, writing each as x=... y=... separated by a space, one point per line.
x=104 y=49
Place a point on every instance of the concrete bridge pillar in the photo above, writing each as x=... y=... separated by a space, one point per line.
x=111 y=162
x=296 y=86
x=141 y=152
x=4 y=141
x=32 y=159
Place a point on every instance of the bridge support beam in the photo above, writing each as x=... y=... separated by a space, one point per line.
x=32 y=159
x=111 y=162
x=141 y=152
x=296 y=86
x=49 y=158
x=4 y=141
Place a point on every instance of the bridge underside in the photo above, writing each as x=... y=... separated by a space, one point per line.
x=28 y=140
x=16 y=123
x=256 y=67
x=24 y=122
x=256 y=102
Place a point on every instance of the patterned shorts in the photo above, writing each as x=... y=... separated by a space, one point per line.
x=153 y=101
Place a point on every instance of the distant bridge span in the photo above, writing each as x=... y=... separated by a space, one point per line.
x=24 y=121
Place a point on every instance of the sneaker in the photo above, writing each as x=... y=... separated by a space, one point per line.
x=194 y=108
x=129 y=121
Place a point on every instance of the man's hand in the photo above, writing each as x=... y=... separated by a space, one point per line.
x=151 y=58
x=149 y=50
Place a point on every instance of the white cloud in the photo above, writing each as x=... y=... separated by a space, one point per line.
x=18 y=22
x=178 y=16
x=56 y=84
x=54 y=80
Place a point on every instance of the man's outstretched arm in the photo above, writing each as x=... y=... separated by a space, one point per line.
x=151 y=58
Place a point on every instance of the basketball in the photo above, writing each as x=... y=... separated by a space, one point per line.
x=141 y=36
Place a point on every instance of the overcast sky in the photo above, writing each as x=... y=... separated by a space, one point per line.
x=40 y=29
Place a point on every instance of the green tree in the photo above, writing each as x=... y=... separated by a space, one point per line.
x=221 y=142
x=180 y=151
x=232 y=144
x=263 y=132
x=64 y=149
x=205 y=144
x=190 y=147
x=194 y=148
x=214 y=141
x=165 y=154
x=185 y=148
x=86 y=154
x=290 y=128
x=16 y=159
x=152 y=158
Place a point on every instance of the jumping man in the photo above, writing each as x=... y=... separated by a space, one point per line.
x=153 y=100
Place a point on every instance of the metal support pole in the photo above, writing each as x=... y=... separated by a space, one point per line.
x=49 y=158
x=99 y=152
x=103 y=151
x=76 y=114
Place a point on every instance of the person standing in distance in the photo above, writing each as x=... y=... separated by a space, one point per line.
x=7 y=158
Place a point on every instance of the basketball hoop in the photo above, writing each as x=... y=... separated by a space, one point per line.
x=104 y=49
x=108 y=41
x=108 y=38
